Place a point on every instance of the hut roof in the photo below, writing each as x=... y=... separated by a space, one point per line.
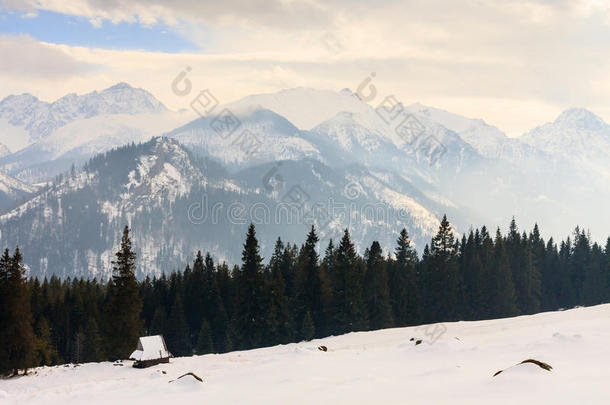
x=150 y=348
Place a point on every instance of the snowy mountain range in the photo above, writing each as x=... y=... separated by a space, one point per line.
x=348 y=163
x=576 y=135
x=47 y=138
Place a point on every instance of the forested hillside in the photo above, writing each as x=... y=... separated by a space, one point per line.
x=297 y=294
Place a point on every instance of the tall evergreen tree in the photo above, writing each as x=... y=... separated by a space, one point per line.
x=566 y=288
x=580 y=260
x=46 y=353
x=92 y=350
x=195 y=295
x=445 y=287
x=311 y=292
x=502 y=292
x=550 y=277
x=404 y=296
x=250 y=313
x=18 y=337
x=123 y=323
x=376 y=290
x=158 y=325
x=178 y=337
x=594 y=283
x=205 y=344
x=308 y=330
x=348 y=309
x=213 y=305
x=474 y=276
x=280 y=328
x=5 y=310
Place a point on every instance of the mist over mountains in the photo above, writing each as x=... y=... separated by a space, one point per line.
x=75 y=171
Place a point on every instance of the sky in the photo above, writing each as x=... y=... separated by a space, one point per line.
x=515 y=64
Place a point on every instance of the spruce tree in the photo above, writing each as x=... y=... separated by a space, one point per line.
x=580 y=260
x=566 y=287
x=289 y=269
x=606 y=268
x=158 y=325
x=178 y=338
x=594 y=284
x=533 y=288
x=280 y=328
x=204 y=341
x=251 y=314
x=122 y=314
x=5 y=308
x=46 y=353
x=348 y=308
x=19 y=338
x=503 y=291
x=92 y=350
x=550 y=280
x=311 y=287
x=214 y=309
x=403 y=282
x=376 y=290
x=473 y=276
x=195 y=295
x=445 y=281
x=308 y=330
x=226 y=288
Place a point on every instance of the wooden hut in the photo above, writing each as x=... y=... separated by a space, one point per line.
x=151 y=350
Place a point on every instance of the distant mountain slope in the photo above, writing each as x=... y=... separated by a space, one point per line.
x=302 y=106
x=47 y=138
x=4 y=150
x=12 y=190
x=79 y=140
x=331 y=147
x=577 y=135
x=177 y=203
x=260 y=136
x=39 y=118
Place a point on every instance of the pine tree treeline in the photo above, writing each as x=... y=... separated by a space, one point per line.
x=296 y=295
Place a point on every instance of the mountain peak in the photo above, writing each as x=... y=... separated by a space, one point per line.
x=579 y=118
x=120 y=86
x=20 y=99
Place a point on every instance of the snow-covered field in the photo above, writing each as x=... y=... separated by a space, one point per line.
x=369 y=367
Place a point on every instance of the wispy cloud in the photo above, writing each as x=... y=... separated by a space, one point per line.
x=22 y=58
x=515 y=64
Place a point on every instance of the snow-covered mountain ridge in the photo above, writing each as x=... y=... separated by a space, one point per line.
x=45 y=139
x=39 y=118
x=320 y=141
x=177 y=202
x=577 y=135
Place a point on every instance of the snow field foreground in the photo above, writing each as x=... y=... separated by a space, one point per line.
x=362 y=368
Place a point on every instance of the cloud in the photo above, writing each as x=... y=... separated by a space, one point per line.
x=276 y=13
x=23 y=57
x=515 y=64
